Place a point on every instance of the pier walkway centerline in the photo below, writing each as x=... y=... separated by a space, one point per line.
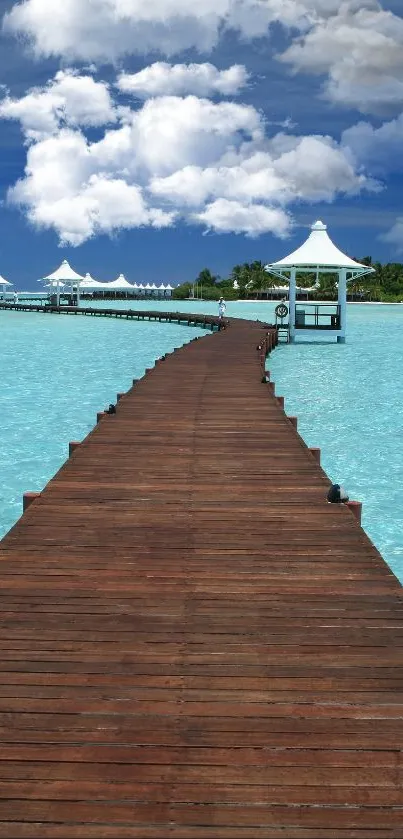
x=194 y=644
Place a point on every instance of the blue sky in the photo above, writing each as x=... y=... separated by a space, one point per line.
x=160 y=138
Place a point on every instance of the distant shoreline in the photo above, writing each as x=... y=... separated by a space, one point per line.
x=326 y=302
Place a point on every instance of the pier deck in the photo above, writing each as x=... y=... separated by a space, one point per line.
x=195 y=645
x=190 y=319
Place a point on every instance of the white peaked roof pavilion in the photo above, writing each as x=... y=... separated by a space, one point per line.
x=65 y=274
x=4 y=284
x=119 y=283
x=320 y=255
x=89 y=284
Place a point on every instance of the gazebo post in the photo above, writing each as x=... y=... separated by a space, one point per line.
x=291 y=305
x=342 y=302
x=57 y=293
x=78 y=293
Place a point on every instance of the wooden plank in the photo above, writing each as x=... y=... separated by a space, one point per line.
x=193 y=642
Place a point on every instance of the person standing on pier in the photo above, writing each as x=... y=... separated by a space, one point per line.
x=222 y=307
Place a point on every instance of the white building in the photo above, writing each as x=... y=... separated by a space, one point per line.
x=64 y=275
x=4 y=285
x=318 y=255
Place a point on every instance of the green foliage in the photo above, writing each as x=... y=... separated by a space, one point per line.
x=182 y=292
x=206 y=277
x=385 y=284
x=210 y=292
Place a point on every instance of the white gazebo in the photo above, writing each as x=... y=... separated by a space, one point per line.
x=89 y=284
x=65 y=275
x=4 y=285
x=120 y=284
x=318 y=255
x=88 y=281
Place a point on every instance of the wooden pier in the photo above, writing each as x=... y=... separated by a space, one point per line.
x=189 y=319
x=194 y=644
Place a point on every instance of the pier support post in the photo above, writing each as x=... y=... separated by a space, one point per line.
x=73 y=445
x=280 y=400
x=100 y=414
x=119 y=396
x=355 y=508
x=316 y=454
x=342 y=302
x=291 y=305
x=294 y=422
x=28 y=498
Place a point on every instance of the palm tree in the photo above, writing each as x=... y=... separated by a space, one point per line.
x=327 y=285
x=206 y=277
x=241 y=274
x=358 y=286
x=260 y=279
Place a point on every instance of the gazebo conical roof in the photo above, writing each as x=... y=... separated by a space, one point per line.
x=3 y=281
x=318 y=253
x=120 y=282
x=89 y=283
x=65 y=273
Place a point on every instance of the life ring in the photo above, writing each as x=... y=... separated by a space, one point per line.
x=281 y=310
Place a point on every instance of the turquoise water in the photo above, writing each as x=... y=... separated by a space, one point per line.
x=58 y=372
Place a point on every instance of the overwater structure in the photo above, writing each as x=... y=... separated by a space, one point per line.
x=318 y=255
x=63 y=276
x=195 y=644
x=4 y=285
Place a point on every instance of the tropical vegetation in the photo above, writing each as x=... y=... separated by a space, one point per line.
x=250 y=280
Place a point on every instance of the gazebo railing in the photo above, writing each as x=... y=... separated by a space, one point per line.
x=317 y=316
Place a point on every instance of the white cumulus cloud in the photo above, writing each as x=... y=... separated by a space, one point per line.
x=104 y=30
x=287 y=169
x=356 y=44
x=225 y=216
x=69 y=98
x=170 y=132
x=360 y=50
x=317 y=169
x=162 y=79
x=64 y=189
x=173 y=158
